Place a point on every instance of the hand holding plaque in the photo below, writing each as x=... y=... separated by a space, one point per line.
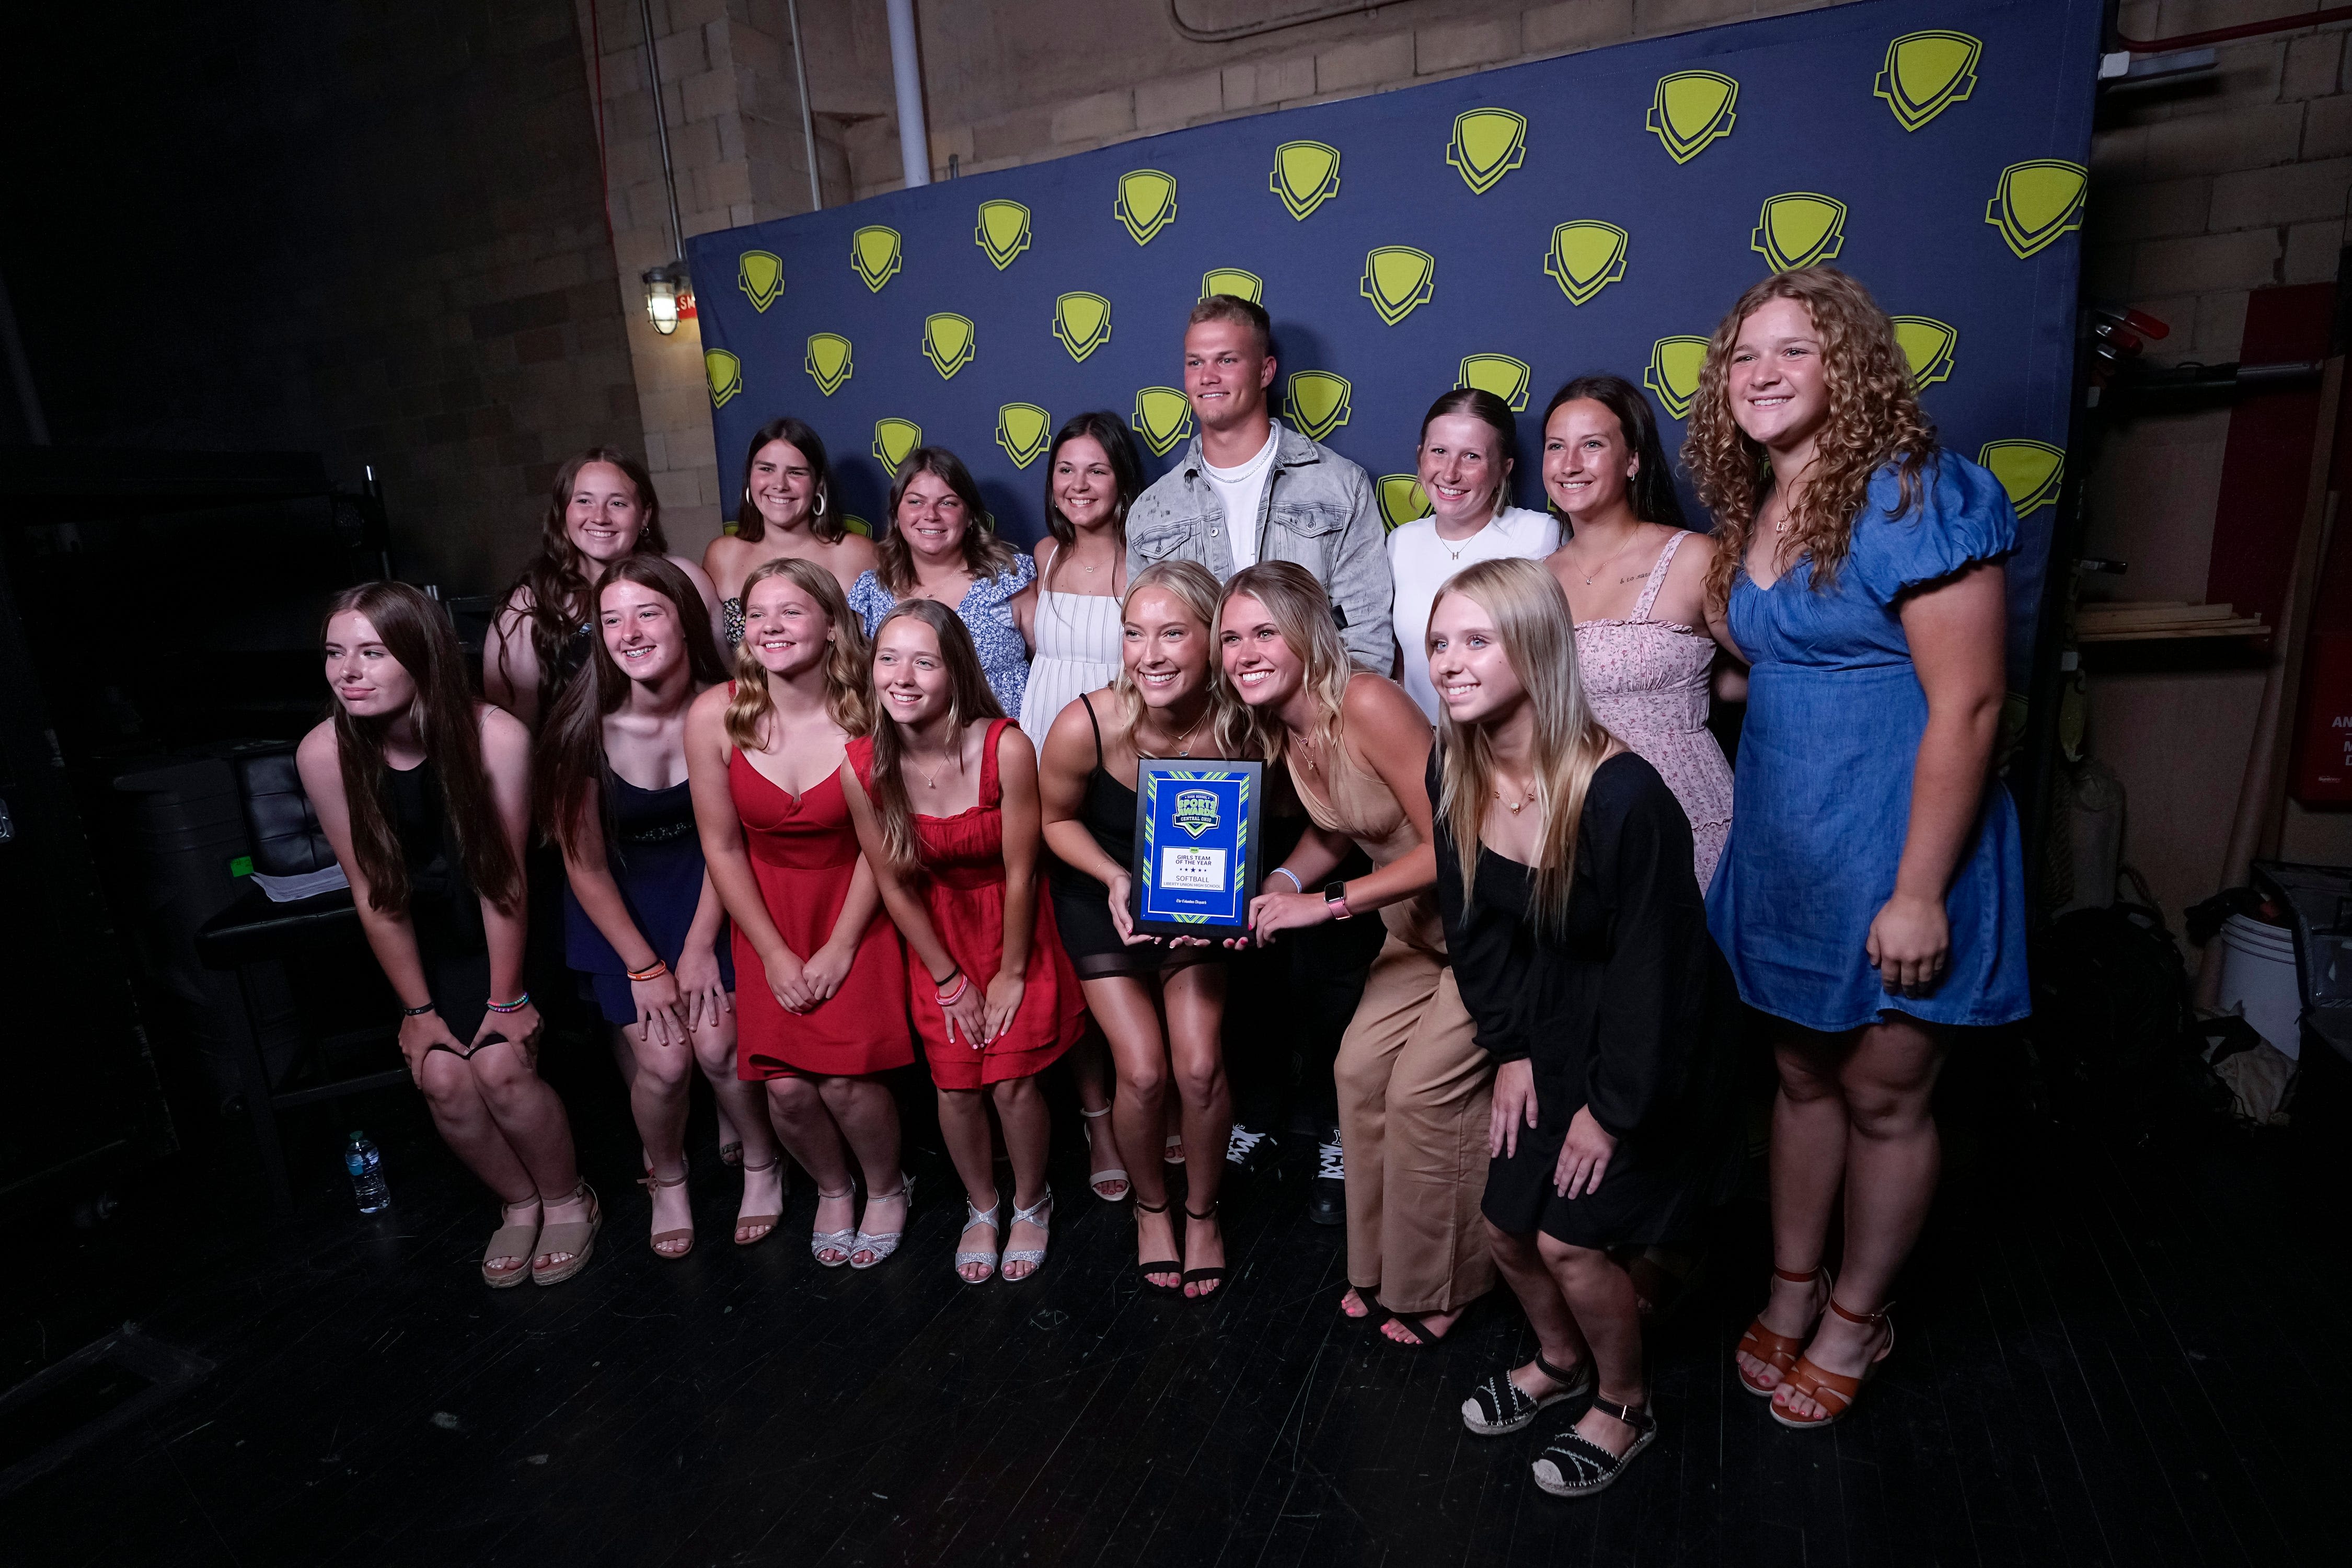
x=1196 y=845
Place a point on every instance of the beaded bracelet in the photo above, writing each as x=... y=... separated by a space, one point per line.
x=950 y=998
x=658 y=970
x=417 y=1012
x=517 y=1005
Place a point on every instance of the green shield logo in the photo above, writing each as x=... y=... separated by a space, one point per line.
x=1196 y=811
x=1402 y=499
x=948 y=342
x=2036 y=202
x=1232 y=281
x=760 y=275
x=828 y=360
x=874 y=254
x=1586 y=256
x=1928 y=343
x=1306 y=176
x=1146 y=203
x=725 y=373
x=1798 y=228
x=1398 y=279
x=892 y=440
x=1487 y=144
x=1501 y=375
x=1317 y=403
x=1083 y=323
x=1927 y=73
x=1163 y=416
x=857 y=526
x=2029 y=470
x=1004 y=231
x=1675 y=366
x=1023 y=429
x=1692 y=109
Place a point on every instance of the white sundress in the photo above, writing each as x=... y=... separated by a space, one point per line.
x=1078 y=638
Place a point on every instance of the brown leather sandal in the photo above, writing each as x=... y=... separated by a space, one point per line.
x=1778 y=1351
x=765 y=1224
x=649 y=1181
x=1834 y=1392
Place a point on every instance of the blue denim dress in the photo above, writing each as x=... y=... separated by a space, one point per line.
x=1822 y=793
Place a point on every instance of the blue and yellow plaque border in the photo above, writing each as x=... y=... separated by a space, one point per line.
x=1207 y=803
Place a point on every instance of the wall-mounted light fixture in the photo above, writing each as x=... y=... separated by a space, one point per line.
x=669 y=297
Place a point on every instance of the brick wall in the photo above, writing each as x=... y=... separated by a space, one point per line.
x=370 y=231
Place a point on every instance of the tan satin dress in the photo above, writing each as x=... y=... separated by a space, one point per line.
x=1414 y=1085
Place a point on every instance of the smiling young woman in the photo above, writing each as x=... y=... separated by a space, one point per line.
x=641 y=917
x=941 y=547
x=1412 y=1083
x=791 y=509
x=823 y=1008
x=1581 y=948
x=1164 y=702
x=1467 y=452
x=424 y=792
x=944 y=794
x=1871 y=896
x=1635 y=577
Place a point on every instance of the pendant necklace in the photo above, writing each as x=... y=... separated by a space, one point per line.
x=1521 y=803
x=1180 y=745
x=1610 y=560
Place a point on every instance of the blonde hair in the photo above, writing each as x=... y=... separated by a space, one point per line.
x=1539 y=638
x=1874 y=419
x=969 y=699
x=847 y=668
x=1301 y=611
x=1193 y=585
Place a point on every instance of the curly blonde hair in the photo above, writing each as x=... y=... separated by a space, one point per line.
x=1873 y=420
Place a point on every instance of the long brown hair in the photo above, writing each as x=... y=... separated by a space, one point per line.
x=557 y=581
x=448 y=717
x=1538 y=638
x=570 y=777
x=849 y=669
x=1194 y=587
x=984 y=555
x=825 y=517
x=1652 y=489
x=1302 y=611
x=969 y=699
x=1109 y=432
x=1873 y=420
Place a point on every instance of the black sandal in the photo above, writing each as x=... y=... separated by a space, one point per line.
x=1572 y=1466
x=1158 y=1266
x=1217 y=1276
x=1498 y=1405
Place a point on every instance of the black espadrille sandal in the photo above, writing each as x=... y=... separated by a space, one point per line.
x=1571 y=1466
x=1498 y=1405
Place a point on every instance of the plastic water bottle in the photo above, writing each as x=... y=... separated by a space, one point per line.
x=362 y=1158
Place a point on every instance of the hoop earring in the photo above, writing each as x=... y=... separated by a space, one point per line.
x=818 y=510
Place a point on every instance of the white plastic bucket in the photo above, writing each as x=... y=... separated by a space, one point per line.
x=2258 y=980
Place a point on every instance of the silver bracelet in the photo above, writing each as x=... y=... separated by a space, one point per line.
x=1287 y=871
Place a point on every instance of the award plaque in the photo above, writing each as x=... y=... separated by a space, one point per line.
x=1196 y=842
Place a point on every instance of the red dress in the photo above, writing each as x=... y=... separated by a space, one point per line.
x=805 y=853
x=963 y=888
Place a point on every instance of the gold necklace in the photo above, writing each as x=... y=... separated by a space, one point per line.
x=1521 y=803
x=1179 y=744
x=1610 y=559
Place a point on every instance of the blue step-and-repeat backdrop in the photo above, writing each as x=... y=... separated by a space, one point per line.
x=1508 y=229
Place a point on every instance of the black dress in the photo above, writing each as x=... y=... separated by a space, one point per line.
x=655 y=857
x=443 y=907
x=1082 y=905
x=1629 y=1009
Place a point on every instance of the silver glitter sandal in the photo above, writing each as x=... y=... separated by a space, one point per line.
x=1038 y=1214
x=972 y=1216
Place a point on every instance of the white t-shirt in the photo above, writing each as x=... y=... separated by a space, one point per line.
x=1240 y=489
x=1421 y=562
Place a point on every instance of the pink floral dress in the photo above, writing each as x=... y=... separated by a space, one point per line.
x=1650 y=682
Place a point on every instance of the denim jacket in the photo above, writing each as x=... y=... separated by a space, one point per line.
x=1318 y=510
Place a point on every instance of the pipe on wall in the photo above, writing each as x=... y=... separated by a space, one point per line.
x=907 y=72
x=808 y=125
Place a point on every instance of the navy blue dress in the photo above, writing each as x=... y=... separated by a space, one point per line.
x=1822 y=793
x=656 y=855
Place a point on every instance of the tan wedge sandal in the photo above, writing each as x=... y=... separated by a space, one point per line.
x=650 y=1182
x=516 y=1241
x=575 y=1237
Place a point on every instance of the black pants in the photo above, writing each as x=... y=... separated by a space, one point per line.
x=1288 y=1004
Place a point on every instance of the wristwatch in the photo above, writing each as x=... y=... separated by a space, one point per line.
x=1335 y=898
